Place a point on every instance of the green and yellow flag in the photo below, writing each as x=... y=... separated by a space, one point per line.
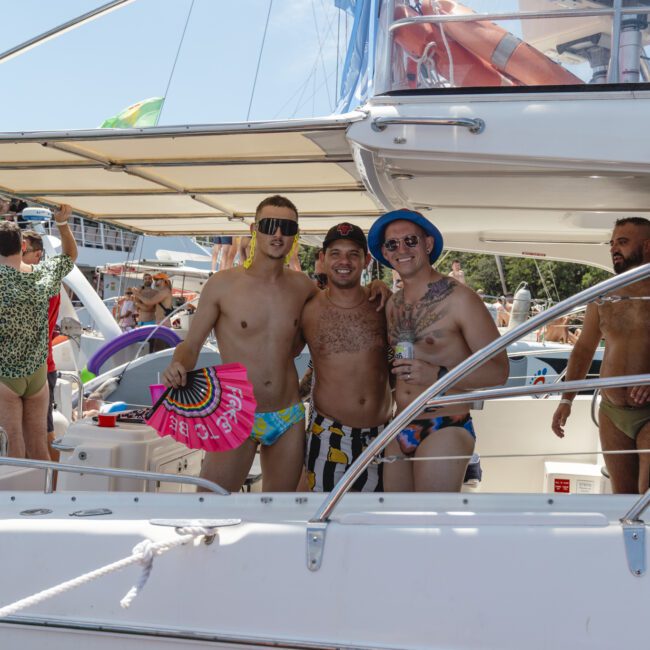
x=144 y=113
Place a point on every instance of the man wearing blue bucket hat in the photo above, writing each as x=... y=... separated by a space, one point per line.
x=434 y=323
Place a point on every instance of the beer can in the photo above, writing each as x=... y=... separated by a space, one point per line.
x=404 y=350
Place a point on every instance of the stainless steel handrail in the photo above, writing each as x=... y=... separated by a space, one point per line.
x=521 y=15
x=460 y=371
x=634 y=513
x=474 y=125
x=613 y=71
x=51 y=467
x=538 y=389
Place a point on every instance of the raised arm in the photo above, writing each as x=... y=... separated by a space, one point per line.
x=187 y=352
x=68 y=244
x=159 y=296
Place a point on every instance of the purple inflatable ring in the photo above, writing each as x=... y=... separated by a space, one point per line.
x=101 y=356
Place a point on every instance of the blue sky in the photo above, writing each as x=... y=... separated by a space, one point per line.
x=91 y=73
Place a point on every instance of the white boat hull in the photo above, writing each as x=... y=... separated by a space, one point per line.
x=398 y=571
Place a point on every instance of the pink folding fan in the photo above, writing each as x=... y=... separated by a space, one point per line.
x=215 y=410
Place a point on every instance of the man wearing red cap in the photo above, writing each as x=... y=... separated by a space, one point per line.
x=434 y=324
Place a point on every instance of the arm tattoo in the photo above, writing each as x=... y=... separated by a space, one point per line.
x=408 y=322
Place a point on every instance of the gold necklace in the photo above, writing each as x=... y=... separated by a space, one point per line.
x=327 y=295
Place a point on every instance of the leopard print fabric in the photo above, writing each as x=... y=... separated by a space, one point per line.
x=24 y=300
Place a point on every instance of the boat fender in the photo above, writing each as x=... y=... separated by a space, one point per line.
x=520 y=306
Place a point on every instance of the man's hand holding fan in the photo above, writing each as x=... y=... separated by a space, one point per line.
x=215 y=410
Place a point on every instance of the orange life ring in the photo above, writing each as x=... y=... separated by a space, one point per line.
x=59 y=339
x=469 y=70
x=512 y=56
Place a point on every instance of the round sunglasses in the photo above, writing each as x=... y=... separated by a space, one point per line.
x=411 y=241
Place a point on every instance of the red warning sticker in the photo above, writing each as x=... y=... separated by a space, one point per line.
x=561 y=485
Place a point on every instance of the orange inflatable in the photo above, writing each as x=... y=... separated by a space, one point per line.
x=506 y=52
x=468 y=69
x=59 y=339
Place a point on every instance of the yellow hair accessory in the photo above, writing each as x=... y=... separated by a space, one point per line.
x=251 y=251
x=287 y=259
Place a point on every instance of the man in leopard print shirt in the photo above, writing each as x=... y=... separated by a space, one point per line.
x=24 y=300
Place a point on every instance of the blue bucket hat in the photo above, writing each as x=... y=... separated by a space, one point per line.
x=376 y=234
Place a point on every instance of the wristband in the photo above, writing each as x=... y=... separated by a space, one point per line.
x=566 y=401
x=61 y=223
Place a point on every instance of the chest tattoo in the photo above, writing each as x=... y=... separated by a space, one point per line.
x=340 y=330
x=410 y=322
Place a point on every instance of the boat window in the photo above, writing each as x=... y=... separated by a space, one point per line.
x=439 y=45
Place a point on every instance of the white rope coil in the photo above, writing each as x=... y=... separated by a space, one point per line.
x=143 y=553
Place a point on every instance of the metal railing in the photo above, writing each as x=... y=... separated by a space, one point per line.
x=473 y=124
x=617 y=11
x=50 y=467
x=430 y=397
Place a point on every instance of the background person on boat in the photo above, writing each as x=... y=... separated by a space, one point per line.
x=32 y=255
x=438 y=322
x=160 y=301
x=346 y=335
x=320 y=277
x=126 y=311
x=456 y=272
x=146 y=315
x=24 y=303
x=559 y=331
x=624 y=417
x=223 y=253
x=504 y=307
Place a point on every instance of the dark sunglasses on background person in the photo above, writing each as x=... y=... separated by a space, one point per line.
x=411 y=241
x=268 y=226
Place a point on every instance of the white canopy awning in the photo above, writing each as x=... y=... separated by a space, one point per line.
x=192 y=180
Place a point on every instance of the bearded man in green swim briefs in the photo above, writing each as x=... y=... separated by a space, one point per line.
x=24 y=336
x=255 y=310
x=624 y=419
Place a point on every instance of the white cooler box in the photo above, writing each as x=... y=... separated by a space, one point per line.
x=574 y=478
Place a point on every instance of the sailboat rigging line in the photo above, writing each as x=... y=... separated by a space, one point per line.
x=300 y=89
x=557 y=293
x=338 y=50
x=259 y=60
x=62 y=29
x=320 y=54
x=541 y=277
x=300 y=103
x=178 y=51
x=311 y=96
